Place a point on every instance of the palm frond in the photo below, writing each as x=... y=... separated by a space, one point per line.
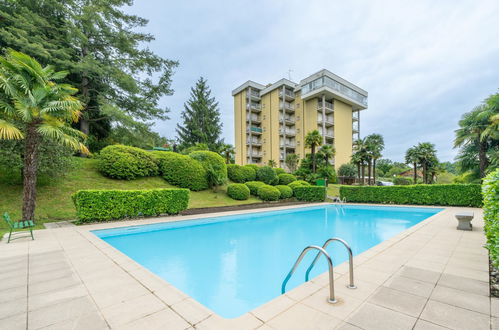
x=9 y=132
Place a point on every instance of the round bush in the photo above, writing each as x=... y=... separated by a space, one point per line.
x=286 y=191
x=268 y=193
x=402 y=181
x=183 y=171
x=266 y=174
x=253 y=166
x=128 y=163
x=238 y=191
x=279 y=170
x=240 y=174
x=298 y=183
x=250 y=172
x=285 y=179
x=253 y=186
x=214 y=165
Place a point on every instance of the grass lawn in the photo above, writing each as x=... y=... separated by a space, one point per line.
x=54 y=197
x=333 y=190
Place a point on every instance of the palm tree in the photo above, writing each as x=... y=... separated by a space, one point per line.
x=292 y=162
x=411 y=157
x=374 y=146
x=327 y=151
x=312 y=140
x=361 y=157
x=472 y=128
x=227 y=151
x=271 y=163
x=32 y=106
x=357 y=160
x=427 y=157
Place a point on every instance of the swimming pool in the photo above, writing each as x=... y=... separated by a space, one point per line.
x=233 y=264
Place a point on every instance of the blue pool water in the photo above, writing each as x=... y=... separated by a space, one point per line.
x=233 y=264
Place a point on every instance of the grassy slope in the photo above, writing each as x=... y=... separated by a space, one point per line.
x=54 y=198
x=333 y=190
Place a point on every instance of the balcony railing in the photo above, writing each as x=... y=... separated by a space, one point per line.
x=254 y=106
x=329 y=119
x=287 y=93
x=335 y=85
x=329 y=105
x=287 y=106
x=257 y=130
x=355 y=116
x=288 y=144
x=255 y=119
x=328 y=133
x=255 y=154
x=290 y=132
x=254 y=142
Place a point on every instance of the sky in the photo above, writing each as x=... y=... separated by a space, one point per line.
x=424 y=63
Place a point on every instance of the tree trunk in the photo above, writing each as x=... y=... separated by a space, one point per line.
x=29 y=172
x=374 y=171
x=358 y=171
x=369 y=169
x=415 y=172
x=482 y=158
x=424 y=173
x=363 y=174
x=313 y=158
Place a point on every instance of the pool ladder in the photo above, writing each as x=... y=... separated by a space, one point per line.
x=322 y=250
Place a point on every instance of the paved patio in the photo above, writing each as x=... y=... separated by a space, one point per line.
x=430 y=276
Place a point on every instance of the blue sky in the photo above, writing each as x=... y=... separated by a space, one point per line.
x=424 y=63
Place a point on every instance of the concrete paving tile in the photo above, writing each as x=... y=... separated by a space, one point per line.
x=303 y=291
x=464 y=284
x=362 y=292
x=55 y=297
x=49 y=275
x=117 y=293
x=191 y=310
x=399 y=301
x=463 y=299
x=163 y=319
x=454 y=317
x=14 y=322
x=274 y=307
x=420 y=274
x=373 y=317
x=65 y=311
x=416 y=287
x=170 y=295
x=301 y=317
x=468 y=273
x=347 y=326
x=344 y=306
x=53 y=285
x=13 y=282
x=494 y=306
x=367 y=274
x=92 y=321
x=425 y=325
x=13 y=294
x=247 y=321
x=131 y=310
x=13 y=307
x=494 y=323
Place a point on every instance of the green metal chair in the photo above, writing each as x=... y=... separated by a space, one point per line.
x=18 y=225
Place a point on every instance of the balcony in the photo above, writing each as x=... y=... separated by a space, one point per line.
x=355 y=116
x=254 y=107
x=254 y=143
x=329 y=107
x=329 y=120
x=288 y=144
x=287 y=132
x=329 y=133
x=254 y=130
x=254 y=119
x=289 y=120
x=254 y=95
x=255 y=154
x=288 y=95
x=288 y=107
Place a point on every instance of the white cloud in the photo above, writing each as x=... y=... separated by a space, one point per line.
x=423 y=63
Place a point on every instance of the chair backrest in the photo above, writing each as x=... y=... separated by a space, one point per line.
x=7 y=219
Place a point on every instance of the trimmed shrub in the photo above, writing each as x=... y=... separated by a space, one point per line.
x=402 y=181
x=268 y=193
x=240 y=174
x=279 y=171
x=298 y=183
x=434 y=194
x=286 y=191
x=266 y=174
x=183 y=171
x=253 y=186
x=214 y=165
x=104 y=205
x=126 y=163
x=490 y=191
x=285 y=178
x=310 y=193
x=253 y=166
x=238 y=191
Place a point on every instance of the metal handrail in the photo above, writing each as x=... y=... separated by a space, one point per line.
x=350 y=260
x=331 y=299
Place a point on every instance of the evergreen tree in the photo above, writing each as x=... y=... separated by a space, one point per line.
x=201 y=118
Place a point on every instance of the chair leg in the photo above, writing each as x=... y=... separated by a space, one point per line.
x=10 y=233
x=31 y=231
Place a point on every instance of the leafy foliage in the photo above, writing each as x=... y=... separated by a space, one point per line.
x=490 y=193
x=347 y=170
x=240 y=174
x=266 y=174
x=268 y=193
x=279 y=171
x=285 y=179
x=254 y=186
x=214 y=165
x=402 y=181
x=298 y=183
x=292 y=162
x=310 y=193
x=446 y=194
x=126 y=163
x=286 y=191
x=201 y=118
x=105 y=205
x=238 y=191
x=183 y=171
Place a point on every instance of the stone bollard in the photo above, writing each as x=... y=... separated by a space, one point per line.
x=464 y=219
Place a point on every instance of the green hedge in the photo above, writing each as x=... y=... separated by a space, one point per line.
x=298 y=183
x=267 y=174
x=285 y=178
x=268 y=193
x=214 y=165
x=104 y=205
x=241 y=174
x=490 y=192
x=278 y=171
x=431 y=194
x=183 y=171
x=310 y=193
x=128 y=163
x=238 y=191
x=253 y=186
x=286 y=192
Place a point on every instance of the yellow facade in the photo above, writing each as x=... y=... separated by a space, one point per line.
x=272 y=121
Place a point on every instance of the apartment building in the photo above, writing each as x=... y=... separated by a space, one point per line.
x=271 y=121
